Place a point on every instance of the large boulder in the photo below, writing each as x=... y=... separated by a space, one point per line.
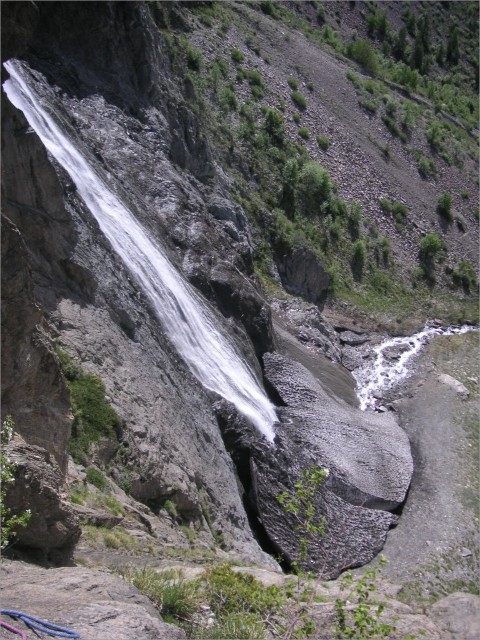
x=92 y=602
x=303 y=275
x=52 y=530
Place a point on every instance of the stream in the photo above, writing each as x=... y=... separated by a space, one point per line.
x=392 y=362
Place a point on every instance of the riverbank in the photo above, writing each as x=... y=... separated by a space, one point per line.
x=435 y=547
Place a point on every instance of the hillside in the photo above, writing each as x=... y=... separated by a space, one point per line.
x=213 y=213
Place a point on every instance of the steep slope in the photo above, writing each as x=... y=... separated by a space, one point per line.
x=131 y=94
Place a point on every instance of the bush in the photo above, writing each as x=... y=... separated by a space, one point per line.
x=275 y=127
x=304 y=133
x=296 y=118
x=362 y=52
x=323 y=142
x=93 y=417
x=96 y=477
x=431 y=245
x=427 y=168
x=358 y=258
x=397 y=209
x=315 y=187
x=444 y=206
x=171 y=508
x=228 y=100
x=194 y=58
x=299 y=99
x=237 y=55
x=293 y=83
x=464 y=275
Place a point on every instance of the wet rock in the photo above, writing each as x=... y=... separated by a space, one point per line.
x=460 y=389
x=52 y=530
x=92 y=602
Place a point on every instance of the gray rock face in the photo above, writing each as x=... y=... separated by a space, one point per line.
x=52 y=530
x=458 y=615
x=303 y=275
x=368 y=455
x=91 y=602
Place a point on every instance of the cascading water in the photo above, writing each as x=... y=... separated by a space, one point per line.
x=384 y=373
x=186 y=319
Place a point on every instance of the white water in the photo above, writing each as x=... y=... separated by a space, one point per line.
x=384 y=373
x=187 y=321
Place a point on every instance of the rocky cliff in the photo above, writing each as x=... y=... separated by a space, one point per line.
x=116 y=77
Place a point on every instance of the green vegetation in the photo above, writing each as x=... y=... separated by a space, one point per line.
x=9 y=522
x=397 y=209
x=431 y=245
x=427 y=168
x=96 y=477
x=304 y=133
x=362 y=52
x=299 y=99
x=237 y=55
x=358 y=615
x=323 y=142
x=444 y=207
x=171 y=508
x=464 y=275
x=239 y=603
x=293 y=83
x=93 y=417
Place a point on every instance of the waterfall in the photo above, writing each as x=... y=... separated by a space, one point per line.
x=188 y=322
x=384 y=373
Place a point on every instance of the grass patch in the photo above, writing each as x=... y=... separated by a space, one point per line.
x=299 y=100
x=323 y=142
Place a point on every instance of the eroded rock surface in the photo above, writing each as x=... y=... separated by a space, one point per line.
x=92 y=602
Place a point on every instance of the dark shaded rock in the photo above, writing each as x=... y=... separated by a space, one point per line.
x=92 y=602
x=33 y=388
x=52 y=530
x=303 y=275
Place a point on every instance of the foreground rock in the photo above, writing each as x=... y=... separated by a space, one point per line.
x=52 y=530
x=92 y=602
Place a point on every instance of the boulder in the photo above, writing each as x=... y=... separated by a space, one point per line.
x=52 y=530
x=303 y=275
x=456 y=385
x=92 y=602
x=458 y=615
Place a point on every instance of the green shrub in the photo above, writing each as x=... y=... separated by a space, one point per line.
x=427 y=168
x=296 y=118
x=257 y=92
x=431 y=245
x=114 y=506
x=397 y=209
x=315 y=187
x=254 y=78
x=359 y=255
x=237 y=55
x=444 y=206
x=171 y=508
x=275 y=126
x=194 y=58
x=93 y=417
x=323 y=142
x=96 y=477
x=299 y=99
x=464 y=275
x=228 y=100
x=176 y=598
x=362 y=52
x=304 y=133
x=293 y=83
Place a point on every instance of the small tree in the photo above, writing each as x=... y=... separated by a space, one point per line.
x=453 y=50
x=301 y=504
